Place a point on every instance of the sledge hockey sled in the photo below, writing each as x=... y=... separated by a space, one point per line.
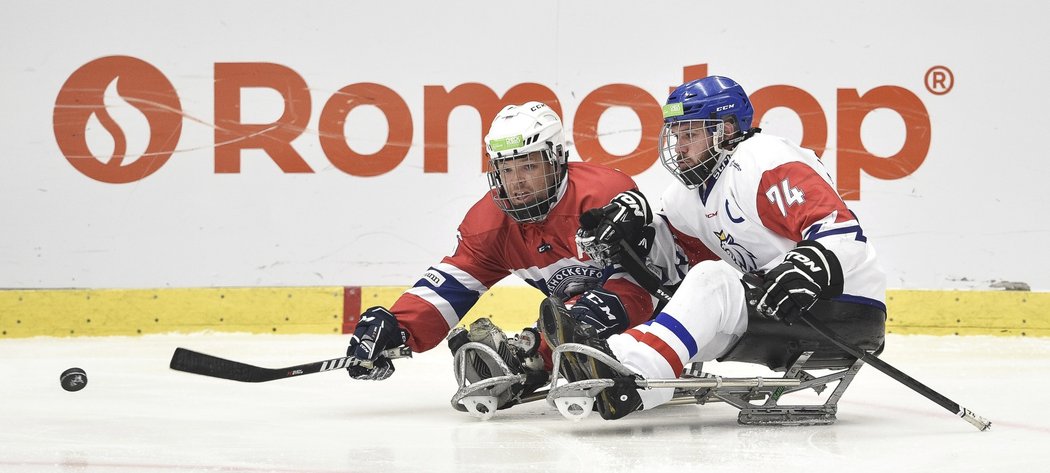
x=795 y=350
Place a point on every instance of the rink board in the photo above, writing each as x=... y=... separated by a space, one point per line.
x=334 y=309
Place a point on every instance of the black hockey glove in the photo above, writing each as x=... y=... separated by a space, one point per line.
x=377 y=330
x=809 y=272
x=626 y=218
x=602 y=310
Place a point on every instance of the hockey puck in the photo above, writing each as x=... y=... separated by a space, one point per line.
x=73 y=379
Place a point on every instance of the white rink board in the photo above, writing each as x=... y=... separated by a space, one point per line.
x=962 y=219
x=137 y=415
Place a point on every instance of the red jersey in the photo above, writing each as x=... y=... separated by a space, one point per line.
x=491 y=246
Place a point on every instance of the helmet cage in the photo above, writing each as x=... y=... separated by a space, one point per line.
x=691 y=149
x=522 y=202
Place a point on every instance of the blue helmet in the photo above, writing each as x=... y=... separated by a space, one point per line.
x=713 y=97
x=703 y=121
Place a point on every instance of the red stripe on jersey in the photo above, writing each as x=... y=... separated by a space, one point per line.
x=694 y=249
x=635 y=334
x=665 y=351
x=792 y=197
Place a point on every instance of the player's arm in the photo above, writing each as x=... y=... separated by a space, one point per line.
x=442 y=297
x=628 y=220
x=797 y=203
x=621 y=302
x=424 y=314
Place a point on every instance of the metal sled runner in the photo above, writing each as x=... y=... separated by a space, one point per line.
x=789 y=349
x=758 y=398
x=481 y=399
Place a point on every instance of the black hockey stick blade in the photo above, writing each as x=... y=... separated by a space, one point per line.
x=203 y=364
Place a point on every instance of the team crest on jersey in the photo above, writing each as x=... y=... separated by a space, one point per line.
x=742 y=257
x=572 y=280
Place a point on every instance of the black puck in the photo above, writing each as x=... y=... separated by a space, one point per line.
x=73 y=379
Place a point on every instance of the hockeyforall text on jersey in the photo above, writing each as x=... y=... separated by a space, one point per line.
x=572 y=280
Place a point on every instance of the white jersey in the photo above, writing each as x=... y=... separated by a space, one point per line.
x=759 y=203
x=766 y=197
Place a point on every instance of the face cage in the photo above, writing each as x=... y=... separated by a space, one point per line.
x=537 y=202
x=700 y=138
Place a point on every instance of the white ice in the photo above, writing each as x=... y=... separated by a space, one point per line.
x=136 y=415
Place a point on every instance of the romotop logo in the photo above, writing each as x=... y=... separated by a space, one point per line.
x=111 y=87
x=83 y=98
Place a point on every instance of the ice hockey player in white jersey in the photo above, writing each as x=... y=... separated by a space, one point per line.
x=746 y=203
x=526 y=226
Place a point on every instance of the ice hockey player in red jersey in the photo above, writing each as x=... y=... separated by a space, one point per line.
x=747 y=203
x=525 y=226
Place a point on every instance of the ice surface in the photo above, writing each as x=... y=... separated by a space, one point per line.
x=136 y=415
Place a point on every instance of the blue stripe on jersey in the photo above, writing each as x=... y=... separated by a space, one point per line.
x=454 y=292
x=814 y=232
x=861 y=300
x=540 y=284
x=679 y=330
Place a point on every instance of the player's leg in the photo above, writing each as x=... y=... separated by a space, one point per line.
x=560 y=327
x=703 y=320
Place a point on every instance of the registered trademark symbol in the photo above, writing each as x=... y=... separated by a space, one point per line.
x=939 y=80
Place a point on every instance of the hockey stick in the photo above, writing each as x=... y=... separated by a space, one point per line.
x=207 y=365
x=635 y=267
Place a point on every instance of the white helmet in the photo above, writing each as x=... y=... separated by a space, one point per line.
x=526 y=189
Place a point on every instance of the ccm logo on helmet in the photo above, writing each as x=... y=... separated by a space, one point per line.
x=725 y=107
x=147 y=89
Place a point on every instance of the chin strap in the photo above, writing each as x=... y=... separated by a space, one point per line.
x=748 y=134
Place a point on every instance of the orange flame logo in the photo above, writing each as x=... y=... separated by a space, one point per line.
x=82 y=98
